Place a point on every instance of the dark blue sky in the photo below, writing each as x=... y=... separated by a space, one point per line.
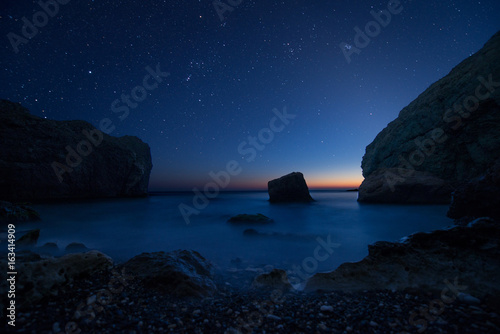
x=226 y=77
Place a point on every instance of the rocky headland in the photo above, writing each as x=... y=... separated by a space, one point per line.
x=44 y=159
x=449 y=135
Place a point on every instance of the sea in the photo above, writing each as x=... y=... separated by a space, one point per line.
x=317 y=236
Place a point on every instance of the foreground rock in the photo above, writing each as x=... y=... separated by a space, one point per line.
x=182 y=273
x=276 y=279
x=134 y=308
x=467 y=256
x=29 y=240
x=289 y=188
x=10 y=213
x=246 y=218
x=448 y=135
x=478 y=198
x=42 y=278
x=44 y=159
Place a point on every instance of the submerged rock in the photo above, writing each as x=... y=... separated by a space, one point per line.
x=10 y=213
x=246 y=218
x=43 y=159
x=183 y=273
x=464 y=256
x=289 y=188
x=49 y=248
x=448 y=135
x=76 y=247
x=479 y=197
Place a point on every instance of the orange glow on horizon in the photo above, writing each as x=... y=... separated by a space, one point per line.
x=313 y=182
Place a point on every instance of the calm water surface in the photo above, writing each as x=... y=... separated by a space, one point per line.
x=123 y=228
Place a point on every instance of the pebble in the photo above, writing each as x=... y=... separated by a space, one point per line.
x=91 y=300
x=326 y=308
x=468 y=299
x=273 y=317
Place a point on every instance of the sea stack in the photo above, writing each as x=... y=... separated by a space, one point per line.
x=447 y=136
x=44 y=159
x=289 y=188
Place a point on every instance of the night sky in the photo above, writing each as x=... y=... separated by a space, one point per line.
x=217 y=81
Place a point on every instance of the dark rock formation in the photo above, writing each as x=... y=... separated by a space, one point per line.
x=10 y=213
x=276 y=279
x=76 y=247
x=49 y=248
x=289 y=188
x=479 y=197
x=181 y=273
x=448 y=135
x=39 y=278
x=246 y=218
x=420 y=187
x=44 y=159
x=28 y=240
x=469 y=254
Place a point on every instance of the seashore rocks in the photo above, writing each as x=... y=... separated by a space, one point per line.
x=276 y=279
x=467 y=255
x=39 y=278
x=29 y=240
x=183 y=273
x=52 y=160
x=11 y=213
x=76 y=247
x=448 y=135
x=289 y=188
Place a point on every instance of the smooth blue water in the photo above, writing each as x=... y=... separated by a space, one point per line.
x=123 y=228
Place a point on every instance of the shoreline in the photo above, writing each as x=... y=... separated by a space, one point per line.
x=132 y=308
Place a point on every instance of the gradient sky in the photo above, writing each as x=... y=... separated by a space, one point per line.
x=226 y=77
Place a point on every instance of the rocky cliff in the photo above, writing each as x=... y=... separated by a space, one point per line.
x=478 y=198
x=45 y=159
x=447 y=136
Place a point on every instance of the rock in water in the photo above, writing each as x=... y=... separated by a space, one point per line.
x=29 y=240
x=450 y=134
x=246 y=218
x=44 y=159
x=183 y=273
x=76 y=247
x=10 y=213
x=465 y=257
x=289 y=188
x=479 y=197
